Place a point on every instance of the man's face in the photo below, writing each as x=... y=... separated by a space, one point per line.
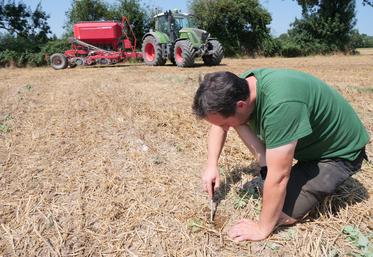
x=225 y=123
x=241 y=116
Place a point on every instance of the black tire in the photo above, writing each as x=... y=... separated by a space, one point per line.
x=163 y=62
x=105 y=61
x=184 y=53
x=217 y=55
x=171 y=56
x=58 y=61
x=152 y=52
x=72 y=65
x=172 y=59
x=79 y=61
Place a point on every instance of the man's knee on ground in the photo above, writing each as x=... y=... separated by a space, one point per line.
x=285 y=220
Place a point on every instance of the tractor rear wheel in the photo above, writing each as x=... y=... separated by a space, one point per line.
x=217 y=55
x=152 y=52
x=58 y=61
x=184 y=53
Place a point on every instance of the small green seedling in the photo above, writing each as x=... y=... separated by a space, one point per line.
x=8 y=117
x=245 y=196
x=242 y=200
x=359 y=240
x=4 y=128
x=273 y=246
x=333 y=253
x=291 y=234
x=240 y=203
x=195 y=225
x=222 y=170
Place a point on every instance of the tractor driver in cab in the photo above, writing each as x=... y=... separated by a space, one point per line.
x=281 y=115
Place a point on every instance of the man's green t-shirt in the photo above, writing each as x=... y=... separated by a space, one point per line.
x=292 y=105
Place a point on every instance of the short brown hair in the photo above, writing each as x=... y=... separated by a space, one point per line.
x=219 y=92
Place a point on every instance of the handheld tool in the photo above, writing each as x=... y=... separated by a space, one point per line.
x=213 y=205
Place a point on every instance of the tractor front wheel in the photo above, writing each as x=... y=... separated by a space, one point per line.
x=152 y=52
x=58 y=61
x=184 y=53
x=217 y=54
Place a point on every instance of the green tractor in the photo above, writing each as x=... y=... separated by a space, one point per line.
x=176 y=38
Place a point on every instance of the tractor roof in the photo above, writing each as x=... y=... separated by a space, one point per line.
x=175 y=13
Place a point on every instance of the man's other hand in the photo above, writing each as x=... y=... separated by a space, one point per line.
x=247 y=230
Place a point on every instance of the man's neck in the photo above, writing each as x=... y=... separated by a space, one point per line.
x=251 y=81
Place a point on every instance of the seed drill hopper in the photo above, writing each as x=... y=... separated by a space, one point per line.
x=102 y=42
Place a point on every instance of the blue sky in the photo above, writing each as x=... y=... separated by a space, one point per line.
x=283 y=13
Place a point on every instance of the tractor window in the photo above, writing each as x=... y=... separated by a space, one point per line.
x=184 y=22
x=162 y=24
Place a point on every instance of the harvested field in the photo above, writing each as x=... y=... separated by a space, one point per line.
x=365 y=51
x=106 y=161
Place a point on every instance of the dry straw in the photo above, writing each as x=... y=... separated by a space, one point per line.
x=106 y=161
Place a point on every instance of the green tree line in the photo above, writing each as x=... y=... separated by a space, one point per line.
x=242 y=26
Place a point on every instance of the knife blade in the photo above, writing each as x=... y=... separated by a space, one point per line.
x=213 y=204
x=213 y=207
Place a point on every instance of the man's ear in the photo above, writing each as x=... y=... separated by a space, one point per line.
x=240 y=104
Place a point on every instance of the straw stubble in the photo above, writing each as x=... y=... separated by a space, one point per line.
x=107 y=162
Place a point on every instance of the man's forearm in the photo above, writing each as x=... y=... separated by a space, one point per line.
x=215 y=142
x=279 y=162
x=274 y=193
x=256 y=147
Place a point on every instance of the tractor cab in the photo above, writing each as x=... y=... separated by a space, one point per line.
x=169 y=22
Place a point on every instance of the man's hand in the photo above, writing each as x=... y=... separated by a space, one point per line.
x=248 y=230
x=211 y=180
x=215 y=143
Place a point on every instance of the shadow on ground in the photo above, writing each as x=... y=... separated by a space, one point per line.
x=232 y=178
